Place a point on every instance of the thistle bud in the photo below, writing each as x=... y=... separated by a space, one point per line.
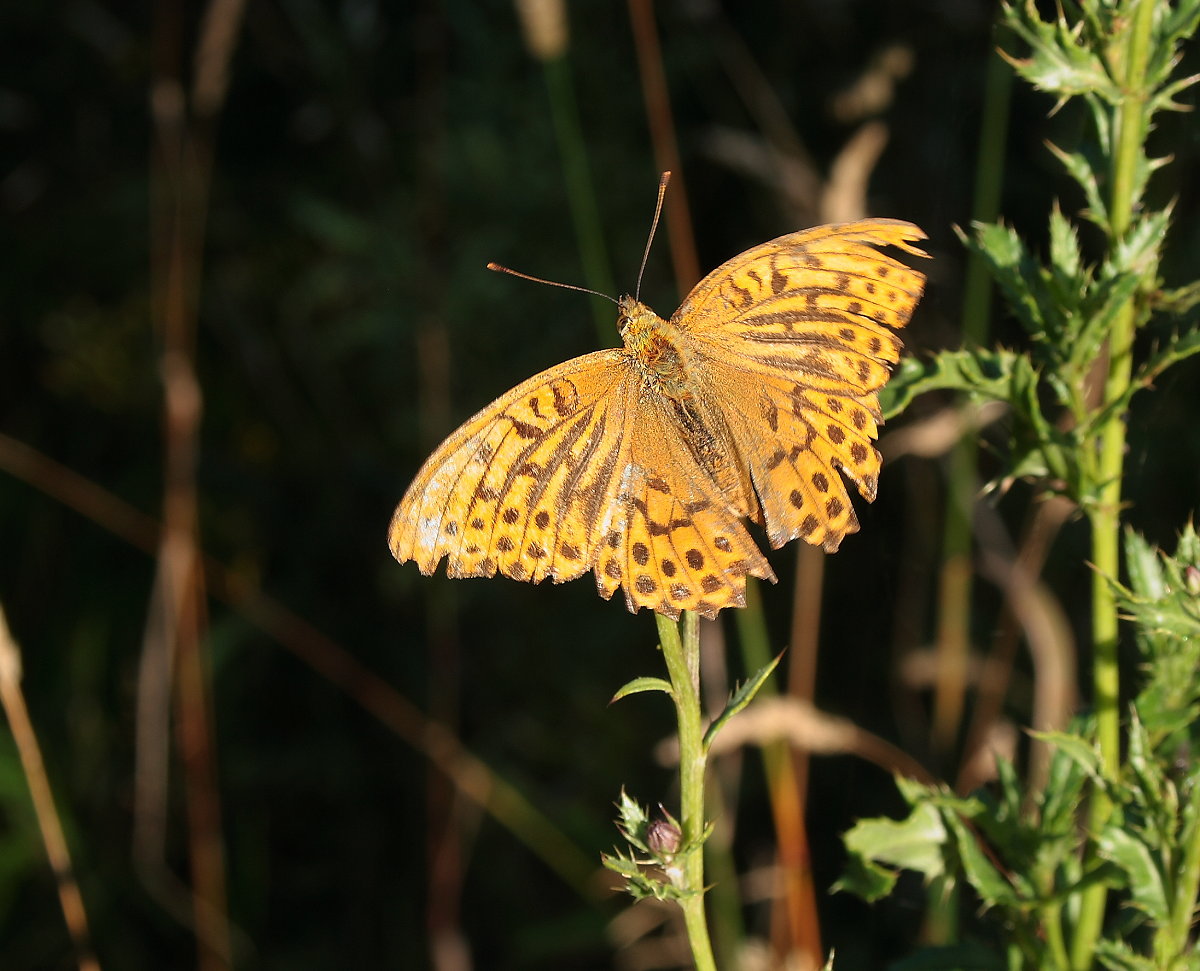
x=663 y=839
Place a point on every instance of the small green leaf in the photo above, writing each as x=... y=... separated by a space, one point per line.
x=1017 y=274
x=1179 y=300
x=1177 y=349
x=1139 y=250
x=740 y=699
x=1103 y=301
x=1063 y=791
x=1164 y=98
x=1080 y=168
x=1081 y=751
x=641 y=883
x=917 y=842
x=632 y=819
x=1145 y=570
x=993 y=889
x=1116 y=954
x=638 y=685
x=865 y=879
x=1063 y=59
x=1142 y=875
x=980 y=373
x=1065 y=259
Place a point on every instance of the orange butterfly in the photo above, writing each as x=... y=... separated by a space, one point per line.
x=641 y=462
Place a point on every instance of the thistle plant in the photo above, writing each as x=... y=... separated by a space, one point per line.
x=1043 y=863
x=666 y=856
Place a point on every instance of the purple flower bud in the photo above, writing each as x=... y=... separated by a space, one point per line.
x=1191 y=577
x=663 y=838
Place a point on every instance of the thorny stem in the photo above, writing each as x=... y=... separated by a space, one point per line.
x=683 y=666
x=1128 y=134
x=1173 y=938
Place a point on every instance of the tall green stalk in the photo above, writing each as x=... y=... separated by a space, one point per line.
x=682 y=657
x=665 y=859
x=1105 y=516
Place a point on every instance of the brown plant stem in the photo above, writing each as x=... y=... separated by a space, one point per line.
x=799 y=925
x=445 y=809
x=25 y=738
x=181 y=168
x=666 y=148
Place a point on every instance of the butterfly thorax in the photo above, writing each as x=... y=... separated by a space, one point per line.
x=654 y=345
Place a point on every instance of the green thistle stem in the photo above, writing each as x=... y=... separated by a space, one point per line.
x=682 y=657
x=1105 y=518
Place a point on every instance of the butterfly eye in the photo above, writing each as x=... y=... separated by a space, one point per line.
x=625 y=313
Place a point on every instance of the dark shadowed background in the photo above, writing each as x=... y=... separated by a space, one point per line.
x=308 y=240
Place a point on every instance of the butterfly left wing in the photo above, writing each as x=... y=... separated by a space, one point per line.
x=580 y=468
x=796 y=337
x=520 y=489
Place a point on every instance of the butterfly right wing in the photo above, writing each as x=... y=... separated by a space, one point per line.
x=800 y=286
x=801 y=330
x=522 y=487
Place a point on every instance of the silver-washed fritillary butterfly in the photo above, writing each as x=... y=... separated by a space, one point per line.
x=752 y=401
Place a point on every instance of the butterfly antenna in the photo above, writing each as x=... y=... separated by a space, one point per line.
x=662 y=191
x=550 y=283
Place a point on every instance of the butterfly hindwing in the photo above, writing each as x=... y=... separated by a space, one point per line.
x=675 y=541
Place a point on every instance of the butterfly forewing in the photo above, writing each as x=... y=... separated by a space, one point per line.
x=825 y=275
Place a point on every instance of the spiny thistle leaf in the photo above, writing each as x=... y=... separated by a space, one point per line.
x=1081 y=169
x=1063 y=60
x=1133 y=858
x=1139 y=250
x=1180 y=300
x=1017 y=273
x=1116 y=954
x=1079 y=749
x=985 y=374
x=1163 y=600
x=879 y=847
x=1180 y=347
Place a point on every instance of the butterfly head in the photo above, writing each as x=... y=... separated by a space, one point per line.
x=654 y=344
x=635 y=321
